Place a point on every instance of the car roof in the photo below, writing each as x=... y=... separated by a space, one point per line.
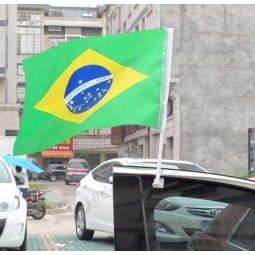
x=77 y=160
x=165 y=163
x=188 y=175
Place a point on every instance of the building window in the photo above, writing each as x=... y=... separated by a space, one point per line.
x=20 y=84
x=29 y=19
x=171 y=146
x=124 y=26
x=170 y=106
x=129 y=10
x=143 y=24
x=55 y=12
x=20 y=75
x=29 y=33
x=119 y=19
x=29 y=43
x=11 y=132
x=149 y=6
x=71 y=37
x=56 y=41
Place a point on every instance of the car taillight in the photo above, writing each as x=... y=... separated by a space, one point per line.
x=77 y=170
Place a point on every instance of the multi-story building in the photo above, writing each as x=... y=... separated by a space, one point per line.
x=9 y=105
x=28 y=29
x=211 y=113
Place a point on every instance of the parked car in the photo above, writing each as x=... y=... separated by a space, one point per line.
x=94 y=201
x=13 y=211
x=215 y=212
x=76 y=169
x=32 y=176
x=55 y=172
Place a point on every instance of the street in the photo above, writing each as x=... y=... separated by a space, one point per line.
x=56 y=232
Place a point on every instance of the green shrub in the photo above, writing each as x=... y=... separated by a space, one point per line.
x=38 y=186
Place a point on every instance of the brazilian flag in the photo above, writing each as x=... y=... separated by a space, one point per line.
x=93 y=82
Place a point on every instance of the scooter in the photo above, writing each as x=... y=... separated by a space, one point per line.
x=35 y=203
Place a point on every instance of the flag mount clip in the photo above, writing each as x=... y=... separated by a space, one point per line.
x=159 y=184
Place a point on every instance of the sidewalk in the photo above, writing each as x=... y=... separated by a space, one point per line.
x=54 y=204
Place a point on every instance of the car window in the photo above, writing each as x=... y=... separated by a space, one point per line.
x=4 y=174
x=79 y=165
x=243 y=235
x=103 y=173
x=186 y=215
x=60 y=167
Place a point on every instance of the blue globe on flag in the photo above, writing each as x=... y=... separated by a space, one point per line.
x=86 y=87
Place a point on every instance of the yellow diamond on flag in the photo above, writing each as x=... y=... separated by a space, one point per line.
x=74 y=97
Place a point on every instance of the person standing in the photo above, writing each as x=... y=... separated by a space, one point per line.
x=23 y=188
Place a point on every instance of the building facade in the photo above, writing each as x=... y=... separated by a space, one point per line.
x=212 y=83
x=9 y=106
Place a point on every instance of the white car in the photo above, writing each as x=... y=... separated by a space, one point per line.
x=188 y=215
x=13 y=211
x=94 y=201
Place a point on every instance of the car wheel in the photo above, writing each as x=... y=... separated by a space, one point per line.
x=53 y=178
x=23 y=246
x=80 y=225
x=41 y=213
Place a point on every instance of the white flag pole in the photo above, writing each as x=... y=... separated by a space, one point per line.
x=167 y=59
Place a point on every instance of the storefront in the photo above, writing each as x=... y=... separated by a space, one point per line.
x=58 y=154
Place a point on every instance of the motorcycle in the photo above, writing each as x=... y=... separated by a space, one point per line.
x=35 y=203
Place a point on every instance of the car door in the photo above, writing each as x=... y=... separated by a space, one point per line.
x=100 y=210
x=192 y=211
x=60 y=170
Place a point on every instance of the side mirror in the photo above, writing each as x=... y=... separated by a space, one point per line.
x=19 y=180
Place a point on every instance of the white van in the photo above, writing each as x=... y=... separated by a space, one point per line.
x=76 y=169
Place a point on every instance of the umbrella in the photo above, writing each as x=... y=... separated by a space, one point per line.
x=18 y=161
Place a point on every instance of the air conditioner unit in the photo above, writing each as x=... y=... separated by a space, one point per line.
x=86 y=14
x=55 y=29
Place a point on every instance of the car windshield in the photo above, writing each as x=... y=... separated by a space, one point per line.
x=58 y=167
x=4 y=174
x=80 y=165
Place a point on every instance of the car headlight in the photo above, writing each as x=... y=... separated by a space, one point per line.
x=9 y=203
x=167 y=206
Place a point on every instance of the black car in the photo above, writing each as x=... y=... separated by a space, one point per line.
x=142 y=211
x=55 y=172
